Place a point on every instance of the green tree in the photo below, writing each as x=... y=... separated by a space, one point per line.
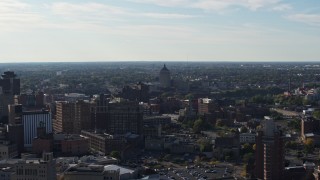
x=309 y=146
x=295 y=124
x=243 y=129
x=200 y=125
x=247 y=157
x=115 y=154
x=316 y=114
x=205 y=145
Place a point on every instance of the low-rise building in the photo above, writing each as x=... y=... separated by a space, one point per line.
x=35 y=169
x=106 y=143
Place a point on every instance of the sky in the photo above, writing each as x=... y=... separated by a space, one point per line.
x=159 y=30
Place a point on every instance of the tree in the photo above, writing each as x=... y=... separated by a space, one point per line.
x=295 y=124
x=200 y=125
x=243 y=129
x=205 y=145
x=115 y=154
x=247 y=157
x=316 y=114
x=309 y=146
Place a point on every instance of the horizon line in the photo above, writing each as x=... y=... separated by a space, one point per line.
x=138 y=61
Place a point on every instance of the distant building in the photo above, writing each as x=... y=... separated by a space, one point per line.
x=165 y=77
x=205 y=106
x=138 y=92
x=269 y=154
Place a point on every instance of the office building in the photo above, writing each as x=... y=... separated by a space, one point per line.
x=72 y=117
x=64 y=119
x=9 y=87
x=31 y=120
x=124 y=117
x=117 y=117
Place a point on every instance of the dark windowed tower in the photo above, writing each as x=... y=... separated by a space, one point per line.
x=9 y=87
x=269 y=152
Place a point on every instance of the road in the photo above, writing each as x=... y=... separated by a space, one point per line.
x=286 y=112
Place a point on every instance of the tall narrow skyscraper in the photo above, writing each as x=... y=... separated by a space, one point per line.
x=9 y=86
x=269 y=152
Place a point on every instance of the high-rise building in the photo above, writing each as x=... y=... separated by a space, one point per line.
x=124 y=117
x=117 y=117
x=64 y=119
x=165 y=77
x=31 y=120
x=72 y=117
x=99 y=111
x=82 y=116
x=9 y=87
x=269 y=154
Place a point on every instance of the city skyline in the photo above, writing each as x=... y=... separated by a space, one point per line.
x=147 y=30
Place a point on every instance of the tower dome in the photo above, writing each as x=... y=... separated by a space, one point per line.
x=164 y=77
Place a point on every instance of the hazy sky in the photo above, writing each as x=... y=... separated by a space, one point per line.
x=114 y=30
